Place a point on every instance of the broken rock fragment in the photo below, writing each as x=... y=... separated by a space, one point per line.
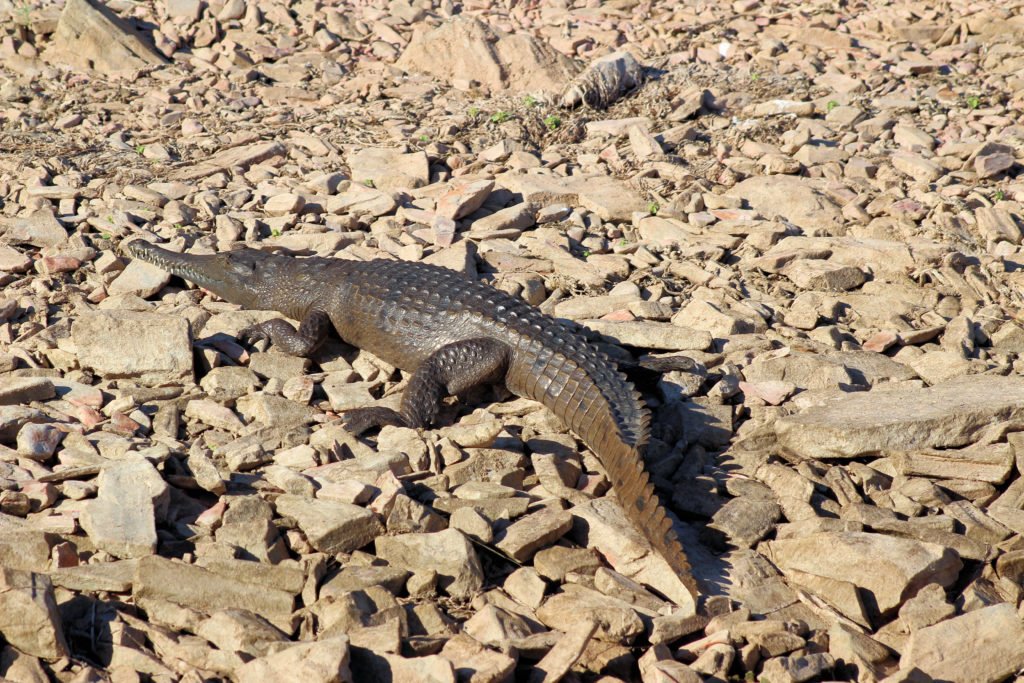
x=447 y=552
x=29 y=619
x=331 y=526
x=468 y=49
x=122 y=518
x=151 y=348
x=90 y=36
x=946 y=415
x=996 y=637
x=887 y=568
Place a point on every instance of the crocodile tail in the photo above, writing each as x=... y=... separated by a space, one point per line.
x=625 y=466
x=609 y=415
x=580 y=386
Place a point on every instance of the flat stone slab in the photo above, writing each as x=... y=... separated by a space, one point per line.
x=26 y=549
x=152 y=348
x=601 y=524
x=796 y=199
x=331 y=526
x=880 y=255
x=382 y=166
x=122 y=518
x=468 y=49
x=319 y=662
x=114 y=577
x=199 y=588
x=651 y=335
x=25 y=389
x=889 y=569
x=29 y=619
x=523 y=538
x=91 y=36
x=447 y=552
x=948 y=415
x=609 y=198
x=983 y=645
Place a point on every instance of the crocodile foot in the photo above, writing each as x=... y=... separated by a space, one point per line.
x=252 y=335
x=358 y=420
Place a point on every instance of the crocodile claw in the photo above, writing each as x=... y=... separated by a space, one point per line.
x=253 y=334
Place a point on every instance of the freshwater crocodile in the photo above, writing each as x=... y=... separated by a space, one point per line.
x=452 y=333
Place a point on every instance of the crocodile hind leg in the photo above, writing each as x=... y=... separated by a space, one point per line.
x=451 y=369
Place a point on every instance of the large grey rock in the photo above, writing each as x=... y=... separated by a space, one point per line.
x=238 y=630
x=40 y=229
x=887 y=569
x=651 y=335
x=90 y=36
x=949 y=414
x=114 y=577
x=139 y=278
x=881 y=256
x=122 y=519
x=151 y=348
x=331 y=526
x=27 y=549
x=616 y=619
x=468 y=49
x=157 y=578
x=325 y=661
x=794 y=198
x=609 y=198
x=29 y=619
x=983 y=646
x=473 y=661
x=447 y=552
x=602 y=524
x=524 y=537
x=389 y=168
x=15 y=390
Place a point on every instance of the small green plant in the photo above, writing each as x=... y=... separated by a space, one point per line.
x=622 y=242
x=25 y=14
x=652 y=208
x=473 y=111
x=755 y=76
x=553 y=121
x=110 y=219
x=179 y=226
x=501 y=117
x=999 y=195
x=140 y=148
x=530 y=101
x=973 y=102
x=586 y=253
x=275 y=232
x=423 y=138
x=832 y=104
x=105 y=235
x=368 y=182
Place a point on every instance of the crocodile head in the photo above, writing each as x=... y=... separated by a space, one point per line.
x=232 y=275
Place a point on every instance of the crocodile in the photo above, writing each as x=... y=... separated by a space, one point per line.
x=452 y=333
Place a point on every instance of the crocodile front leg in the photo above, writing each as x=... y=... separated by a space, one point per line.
x=311 y=333
x=451 y=369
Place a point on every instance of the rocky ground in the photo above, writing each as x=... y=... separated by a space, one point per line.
x=814 y=208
